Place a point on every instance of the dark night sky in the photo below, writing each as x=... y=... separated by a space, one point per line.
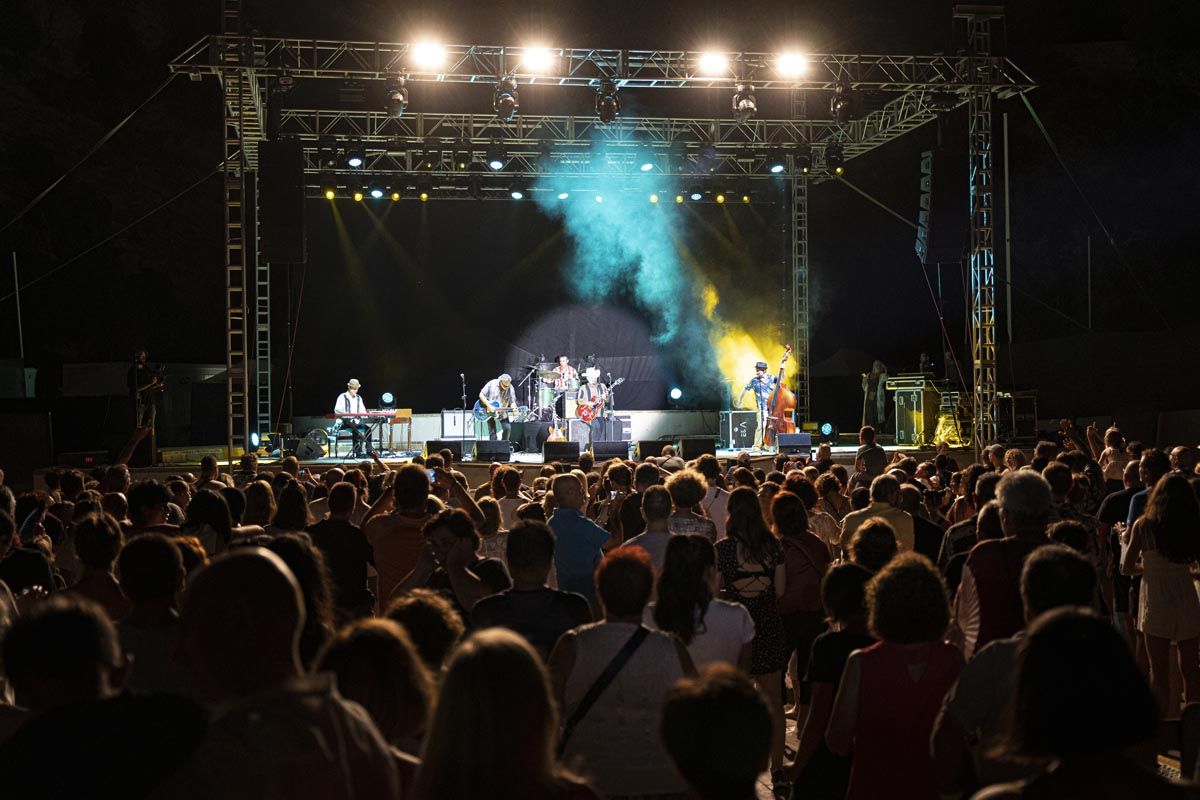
x=1118 y=92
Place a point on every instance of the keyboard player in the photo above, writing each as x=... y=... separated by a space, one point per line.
x=349 y=402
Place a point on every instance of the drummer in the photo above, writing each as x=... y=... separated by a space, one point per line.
x=567 y=381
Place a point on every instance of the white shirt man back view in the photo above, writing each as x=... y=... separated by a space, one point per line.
x=885 y=493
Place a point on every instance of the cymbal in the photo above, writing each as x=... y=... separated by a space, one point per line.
x=548 y=374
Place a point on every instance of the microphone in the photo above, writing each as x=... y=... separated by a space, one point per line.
x=462 y=376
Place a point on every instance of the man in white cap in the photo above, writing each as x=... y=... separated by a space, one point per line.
x=499 y=397
x=762 y=385
x=349 y=402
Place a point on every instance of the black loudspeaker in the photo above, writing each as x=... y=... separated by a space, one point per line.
x=794 y=443
x=281 y=201
x=651 y=447
x=606 y=450
x=493 y=450
x=313 y=445
x=455 y=446
x=560 y=451
x=690 y=447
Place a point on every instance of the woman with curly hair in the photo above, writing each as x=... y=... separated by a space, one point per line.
x=891 y=692
x=688 y=488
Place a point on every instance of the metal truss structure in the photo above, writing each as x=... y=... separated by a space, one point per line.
x=899 y=93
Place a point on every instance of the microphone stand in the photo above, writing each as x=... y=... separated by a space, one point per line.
x=463 y=429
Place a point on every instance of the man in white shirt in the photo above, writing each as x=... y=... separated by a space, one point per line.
x=498 y=390
x=716 y=500
x=656 y=510
x=885 y=499
x=349 y=402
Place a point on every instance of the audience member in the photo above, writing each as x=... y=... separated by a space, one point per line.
x=307 y=566
x=885 y=495
x=530 y=607
x=279 y=733
x=451 y=563
x=292 y=515
x=577 y=540
x=816 y=771
x=612 y=735
x=716 y=499
x=891 y=691
x=209 y=520
x=260 y=504
x=347 y=552
x=873 y=544
x=645 y=476
x=687 y=490
x=151 y=573
x=394 y=527
x=820 y=524
x=1088 y=724
x=717 y=729
x=753 y=572
x=22 y=568
x=871 y=459
x=433 y=624
x=98 y=540
x=656 y=511
x=927 y=536
x=988 y=605
x=1164 y=547
x=714 y=630
x=149 y=509
x=493 y=731
x=973 y=712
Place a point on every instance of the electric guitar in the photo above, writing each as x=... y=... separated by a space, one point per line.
x=588 y=410
x=492 y=410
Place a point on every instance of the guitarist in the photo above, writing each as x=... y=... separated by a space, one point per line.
x=498 y=398
x=593 y=392
x=762 y=384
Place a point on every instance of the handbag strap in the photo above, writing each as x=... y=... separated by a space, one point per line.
x=601 y=683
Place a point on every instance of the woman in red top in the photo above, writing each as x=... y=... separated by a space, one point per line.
x=891 y=691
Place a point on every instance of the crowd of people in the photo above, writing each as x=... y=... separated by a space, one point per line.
x=1016 y=627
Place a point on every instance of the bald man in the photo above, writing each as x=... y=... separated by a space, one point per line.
x=275 y=732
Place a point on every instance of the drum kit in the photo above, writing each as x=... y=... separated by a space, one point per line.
x=542 y=394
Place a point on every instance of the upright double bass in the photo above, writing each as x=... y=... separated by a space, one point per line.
x=781 y=406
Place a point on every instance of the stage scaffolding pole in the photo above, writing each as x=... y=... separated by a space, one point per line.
x=982 y=254
x=800 y=319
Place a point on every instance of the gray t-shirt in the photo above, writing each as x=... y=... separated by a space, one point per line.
x=874 y=459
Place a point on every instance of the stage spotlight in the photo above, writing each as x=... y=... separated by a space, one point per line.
x=839 y=104
x=517 y=191
x=396 y=96
x=608 y=105
x=678 y=198
x=424 y=189
x=563 y=195
x=834 y=159
x=827 y=432
x=358 y=195
x=653 y=198
x=328 y=187
x=599 y=198
x=720 y=198
x=355 y=157
x=696 y=193
x=395 y=195
x=462 y=159
x=427 y=55
x=712 y=64
x=804 y=160
x=255 y=441
x=791 y=65
x=537 y=59
x=776 y=162
x=330 y=194
x=506 y=100
x=376 y=192
x=645 y=159
x=745 y=199
x=676 y=393
x=329 y=158
x=745 y=105
x=496 y=157
x=387 y=401
x=423 y=196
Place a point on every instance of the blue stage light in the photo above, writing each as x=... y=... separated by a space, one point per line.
x=563 y=195
x=676 y=393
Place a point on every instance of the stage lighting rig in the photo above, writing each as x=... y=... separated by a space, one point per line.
x=358 y=194
x=645 y=160
x=834 y=158
x=745 y=105
x=840 y=104
x=608 y=105
x=517 y=191
x=776 y=162
x=696 y=193
x=376 y=191
x=804 y=159
x=506 y=101
x=396 y=98
x=329 y=158
x=497 y=157
x=356 y=157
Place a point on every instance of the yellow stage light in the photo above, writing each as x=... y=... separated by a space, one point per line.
x=678 y=198
x=653 y=198
x=395 y=196
x=720 y=198
x=358 y=195
x=424 y=196
x=330 y=194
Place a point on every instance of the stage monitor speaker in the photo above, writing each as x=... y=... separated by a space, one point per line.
x=456 y=423
x=738 y=429
x=455 y=446
x=281 y=201
x=313 y=445
x=493 y=450
x=83 y=459
x=560 y=451
x=694 y=447
x=602 y=451
x=795 y=443
x=651 y=447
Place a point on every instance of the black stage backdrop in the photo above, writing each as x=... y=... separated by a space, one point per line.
x=406 y=296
